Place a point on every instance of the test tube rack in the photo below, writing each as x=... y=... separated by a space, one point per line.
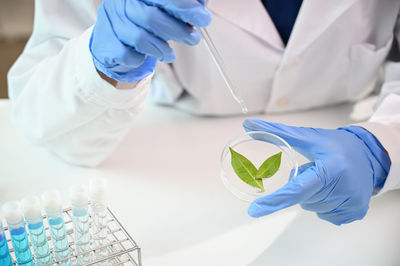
x=122 y=249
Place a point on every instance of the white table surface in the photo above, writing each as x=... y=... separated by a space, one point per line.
x=165 y=189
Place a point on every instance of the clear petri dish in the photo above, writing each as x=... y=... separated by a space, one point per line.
x=257 y=146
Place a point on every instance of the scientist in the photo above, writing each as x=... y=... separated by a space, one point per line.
x=87 y=69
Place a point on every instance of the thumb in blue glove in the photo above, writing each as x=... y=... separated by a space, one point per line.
x=347 y=164
x=131 y=35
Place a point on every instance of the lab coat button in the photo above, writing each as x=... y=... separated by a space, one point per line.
x=290 y=62
x=282 y=102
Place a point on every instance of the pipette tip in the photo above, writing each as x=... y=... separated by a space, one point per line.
x=244 y=107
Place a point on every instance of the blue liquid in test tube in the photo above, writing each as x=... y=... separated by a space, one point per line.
x=53 y=206
x=5 y=257
x=34 y=219
x=20 y=242
x=19 y=237
x=41 y=248
x=59 y=238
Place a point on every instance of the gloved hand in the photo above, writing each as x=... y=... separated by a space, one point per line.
x=347 y=164
x=130 y=35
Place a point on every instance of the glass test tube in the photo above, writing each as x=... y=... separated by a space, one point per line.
x=53 y=207
x=98 y=200
x=34 y=219
x=79 y=201
x=19 y=237
x=5 y=257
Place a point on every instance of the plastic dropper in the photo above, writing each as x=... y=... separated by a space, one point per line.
x=221 y=68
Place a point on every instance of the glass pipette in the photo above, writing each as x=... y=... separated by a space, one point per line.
x=221 y=68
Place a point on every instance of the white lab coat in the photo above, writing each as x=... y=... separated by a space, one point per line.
x=335 y=54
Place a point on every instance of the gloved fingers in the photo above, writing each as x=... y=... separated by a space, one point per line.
x=146 y=43
x=189 y=11
x=131 y=75
x=353 y=208
x=304 y=167
x=123 y=57
x=303 y=139
x=328 y=198
x=296 y=191
x=121 y=53
x=136 y=37
x=339 y=217
x=326 y=205
x=160 y=23
x=301 y=169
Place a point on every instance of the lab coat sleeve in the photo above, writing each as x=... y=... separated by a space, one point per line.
x=58 y=99
x=385 y=122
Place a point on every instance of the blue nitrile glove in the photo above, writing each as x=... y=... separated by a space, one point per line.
x=130 y=35
x=347 y=164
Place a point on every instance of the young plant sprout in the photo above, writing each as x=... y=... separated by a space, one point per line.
x=249 y=174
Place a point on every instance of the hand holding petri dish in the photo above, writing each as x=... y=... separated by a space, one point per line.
x=257 y=146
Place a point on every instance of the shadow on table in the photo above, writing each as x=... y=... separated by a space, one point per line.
x=372 y=241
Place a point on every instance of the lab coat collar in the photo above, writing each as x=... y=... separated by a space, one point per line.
x=314 y=18
x=251 y=16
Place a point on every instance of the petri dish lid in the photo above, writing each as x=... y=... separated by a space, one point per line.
x=257 y=146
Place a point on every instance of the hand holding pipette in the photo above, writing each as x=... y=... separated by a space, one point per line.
x=129 y=37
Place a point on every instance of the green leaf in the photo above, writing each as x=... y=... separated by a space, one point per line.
x=245 y=170
x=269 y=167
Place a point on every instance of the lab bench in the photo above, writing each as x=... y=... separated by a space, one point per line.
x=166 y=191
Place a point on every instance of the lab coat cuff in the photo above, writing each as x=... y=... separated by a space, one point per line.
x=93 y=88
x=388 y=136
